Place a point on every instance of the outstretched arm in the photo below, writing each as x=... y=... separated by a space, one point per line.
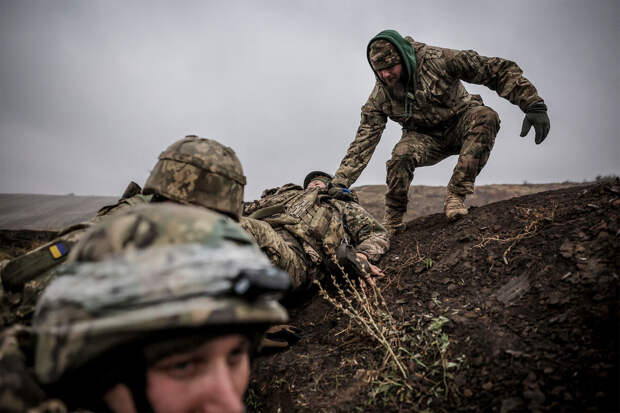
x=506 y=78
x=368 y=236
x=363 y=146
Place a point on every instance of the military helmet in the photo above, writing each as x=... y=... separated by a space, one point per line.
x=201 y=172
x=154 y=269
x=316 y=175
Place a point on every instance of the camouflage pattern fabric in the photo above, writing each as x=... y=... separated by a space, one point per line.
x=281 y=252
x=25 y=277
x=438 y=103
x=153 y=269
x=19 y=390
x=383 y=54
x=199 y=171
x=472 y=138
x=154 y=225
x=314 y=225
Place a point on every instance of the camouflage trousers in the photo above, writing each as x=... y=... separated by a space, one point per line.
x=471 y=137
x=280 y=252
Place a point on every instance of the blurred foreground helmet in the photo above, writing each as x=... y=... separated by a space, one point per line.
x=323 y=176
x=202 y=172
x=155 y=269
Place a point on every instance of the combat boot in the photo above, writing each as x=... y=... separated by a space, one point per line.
x=454 y=207
x=279 y=337
x=393 y=221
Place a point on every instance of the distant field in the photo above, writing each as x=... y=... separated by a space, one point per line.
x=426 y=200
x=48 y=212
x=27 y=220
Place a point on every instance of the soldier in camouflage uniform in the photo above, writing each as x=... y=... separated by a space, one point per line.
x=419 y=86
x=193 y=170
x=304 y=231
x=157 y=309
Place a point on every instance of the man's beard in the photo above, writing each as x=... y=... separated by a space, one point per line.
x=397 y=90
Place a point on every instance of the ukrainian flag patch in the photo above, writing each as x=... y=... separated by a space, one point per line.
x=58 y=250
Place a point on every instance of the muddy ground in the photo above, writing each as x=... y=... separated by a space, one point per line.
x=513 y=308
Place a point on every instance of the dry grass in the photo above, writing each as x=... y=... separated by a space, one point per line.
x=416 y=367
x=533 y=220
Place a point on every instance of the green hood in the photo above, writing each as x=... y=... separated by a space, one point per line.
x=407 y=54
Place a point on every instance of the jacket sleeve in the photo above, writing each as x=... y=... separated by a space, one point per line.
x=363 y=146
x=367 y=234
x=501 y=75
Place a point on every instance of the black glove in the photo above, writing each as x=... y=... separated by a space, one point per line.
x=338 y=191
x=536 y=114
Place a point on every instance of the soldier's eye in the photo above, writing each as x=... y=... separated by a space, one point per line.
x=180 y=368
x=239 y=353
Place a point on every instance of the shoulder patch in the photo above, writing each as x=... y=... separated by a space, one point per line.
x=58 y=250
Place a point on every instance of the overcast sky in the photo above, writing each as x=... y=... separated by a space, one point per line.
x=92 y=91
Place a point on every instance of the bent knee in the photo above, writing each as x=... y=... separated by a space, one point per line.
x=484 y=115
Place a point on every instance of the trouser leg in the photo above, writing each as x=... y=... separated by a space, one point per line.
x=476 y=131
x=276 y=248
x=414 y=149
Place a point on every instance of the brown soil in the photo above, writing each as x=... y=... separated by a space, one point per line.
x=425 y=200
x=528 y=292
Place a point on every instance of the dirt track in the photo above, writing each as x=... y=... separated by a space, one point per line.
x=513 y=308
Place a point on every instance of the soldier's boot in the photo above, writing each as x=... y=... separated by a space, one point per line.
x=454 y=207
x=279 y=337
x=393 y=221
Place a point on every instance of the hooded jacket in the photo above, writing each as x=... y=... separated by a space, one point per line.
x=407 y=54
x=435 y=97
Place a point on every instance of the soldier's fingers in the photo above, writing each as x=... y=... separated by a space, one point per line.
x=539 y=133
x=525 y=128
x=376 y=271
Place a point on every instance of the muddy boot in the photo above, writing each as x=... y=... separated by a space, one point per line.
x=455 y=206
x=393 y=221
x=279 y=337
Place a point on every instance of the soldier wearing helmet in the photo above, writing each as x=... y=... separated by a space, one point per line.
x=192 y=170
x=157 y=309
x=304 y=231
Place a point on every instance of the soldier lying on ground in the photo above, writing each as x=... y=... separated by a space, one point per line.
x=419 y=86
x=304 y=231
x=193 y=170
x=157 y=309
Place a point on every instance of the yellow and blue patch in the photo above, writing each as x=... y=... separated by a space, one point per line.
x=58 y=250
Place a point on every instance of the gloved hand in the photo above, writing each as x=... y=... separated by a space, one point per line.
x=536 y=115
x=338 y=191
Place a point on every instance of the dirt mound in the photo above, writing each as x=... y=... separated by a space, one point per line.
x=513 y=308
x=425 y=200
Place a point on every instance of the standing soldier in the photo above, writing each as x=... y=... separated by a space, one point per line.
x=419 y=86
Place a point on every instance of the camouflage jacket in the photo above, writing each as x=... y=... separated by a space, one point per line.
x=24 y=278
x=19 y=389
x=320 y=222
x=438 y=100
